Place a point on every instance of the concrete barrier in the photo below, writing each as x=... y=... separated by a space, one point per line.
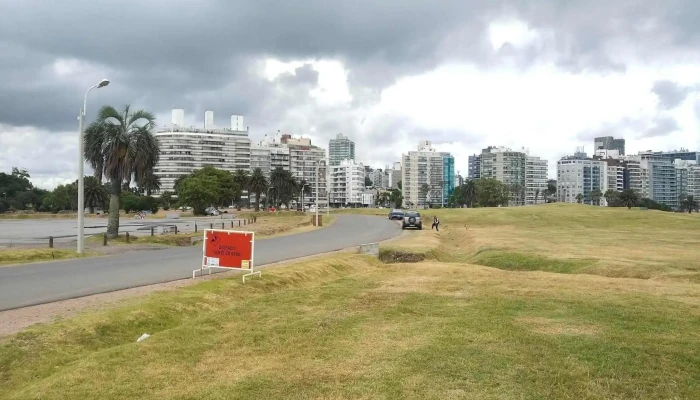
x=371 y=249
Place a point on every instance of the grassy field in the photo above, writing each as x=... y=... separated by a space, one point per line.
x=556 y=318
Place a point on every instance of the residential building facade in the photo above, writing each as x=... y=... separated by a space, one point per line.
x=341 y=148
x=308 y=163
x=509 y=167
x=346 y=184
x=536 y=175
x=428 y=167
x=186 y=149
x=578 y=174
x=474 y=171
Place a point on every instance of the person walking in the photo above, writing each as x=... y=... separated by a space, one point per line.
x=436 y=223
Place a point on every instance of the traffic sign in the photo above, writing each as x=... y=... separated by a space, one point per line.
x=228 y=250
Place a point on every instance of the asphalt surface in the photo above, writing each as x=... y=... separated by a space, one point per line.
x=31 y=231
x=32 y=284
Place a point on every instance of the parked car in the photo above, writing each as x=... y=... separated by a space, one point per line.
x=412 y=220
x=396 y=214
x=211 y=211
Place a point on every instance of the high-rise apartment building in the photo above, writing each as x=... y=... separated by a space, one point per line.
x=426 y=167
x=578 y=174
x=308 y=163
x=536 y=176
x=509 y=167
x=185 y=149
x=341 y=148
x=394 y=176
x=609 y=143
x=346 y=184
x=474 y=171
x=268 y=155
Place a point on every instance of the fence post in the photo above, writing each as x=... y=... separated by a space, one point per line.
x=211 y=225
x=239 y=222
x=51 y=242
x=127 y=237
x=153 y=229
x=175 y=226
x=104 y=239
x=222 y=225
x=255 y=219
x=195 y=227
x=231 y=223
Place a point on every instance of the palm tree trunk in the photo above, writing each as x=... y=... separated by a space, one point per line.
x=257 y=201
x=113 y=222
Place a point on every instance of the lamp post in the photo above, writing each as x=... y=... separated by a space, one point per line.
x=81 y=163
x=302 y=195
x=267 y=197
x=318 y=164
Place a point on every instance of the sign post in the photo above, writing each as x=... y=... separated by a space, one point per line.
x=228 y=250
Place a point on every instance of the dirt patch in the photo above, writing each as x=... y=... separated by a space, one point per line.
x=550 y=326
x=397 y=256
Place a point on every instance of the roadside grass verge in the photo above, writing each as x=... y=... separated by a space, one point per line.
x=20 y=256
x=349 y=326
x=266 y=226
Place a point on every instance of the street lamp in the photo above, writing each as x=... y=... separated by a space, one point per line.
x=267 y=197
x=318 y=164
x=81 y=163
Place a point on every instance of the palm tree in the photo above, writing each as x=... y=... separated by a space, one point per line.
x=95 y=193
x=284 y=185
x=122 y=142
x=257 y=183
x=149 y=182
x=470 y=193
x=629 y=198
x=241 y=177
x=689 y=203
x=424 y=190
x=579 y=198
x=596 y=195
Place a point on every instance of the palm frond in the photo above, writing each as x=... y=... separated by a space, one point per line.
x=144 y=117
x=109 y=112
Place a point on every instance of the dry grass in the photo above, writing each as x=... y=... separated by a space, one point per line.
x=550 y=321
x=347 y=326
x=20 y=256
x=266 y=226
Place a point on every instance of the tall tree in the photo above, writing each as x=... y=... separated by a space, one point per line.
x=241 y=177
x=689 y=204
x=148 y=182
x=424 y=190
x=596 y=195
x=537 y=194
x=123 y=143
x=579 y=198
x=257 y=184
x=95 y=193
x=629 y=198
x=491 y=192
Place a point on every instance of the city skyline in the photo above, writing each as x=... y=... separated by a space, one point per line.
x=546 y=76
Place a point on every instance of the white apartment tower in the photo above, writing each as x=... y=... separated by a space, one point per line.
x=184 y=149
x=580 y=175
x=524 y=175
x=346 y=183
x=308 y=163
x=536 y=176
x=426 y=167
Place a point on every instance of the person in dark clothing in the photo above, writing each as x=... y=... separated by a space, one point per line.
x=436 y=223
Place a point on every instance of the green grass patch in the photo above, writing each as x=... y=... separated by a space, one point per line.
x=527 y=262
x=349 y=327
x=21 y=256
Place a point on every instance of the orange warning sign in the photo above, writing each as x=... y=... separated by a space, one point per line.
x=228 y=249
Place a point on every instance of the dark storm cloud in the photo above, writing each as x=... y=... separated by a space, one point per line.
x=670 y=94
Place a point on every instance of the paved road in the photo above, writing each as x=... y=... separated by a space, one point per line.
x=26 y=231
x=33 y=284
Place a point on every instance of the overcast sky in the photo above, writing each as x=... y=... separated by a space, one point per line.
x=547 y=75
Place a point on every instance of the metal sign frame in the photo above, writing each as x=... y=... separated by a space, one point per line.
x=208 y=263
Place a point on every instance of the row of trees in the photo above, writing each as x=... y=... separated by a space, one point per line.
x=214 y=187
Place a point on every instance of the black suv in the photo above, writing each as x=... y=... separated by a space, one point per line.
x=412 y=220
x=396 y=214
